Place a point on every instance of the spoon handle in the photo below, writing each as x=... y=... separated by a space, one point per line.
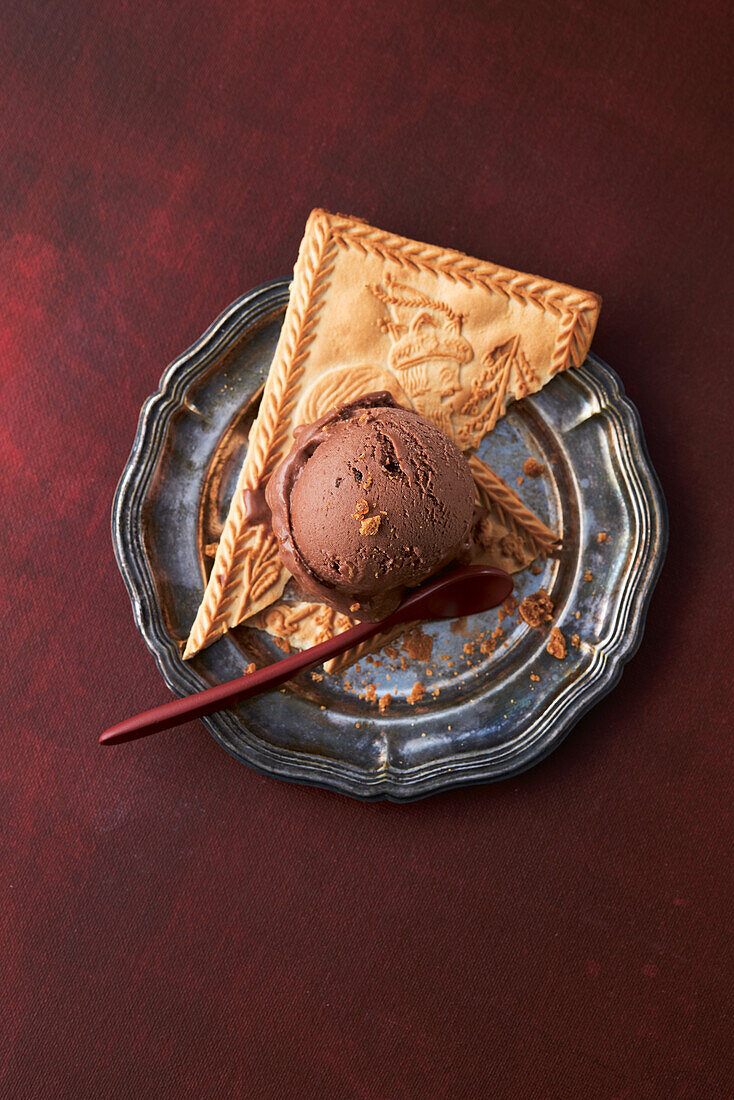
x=234 y=691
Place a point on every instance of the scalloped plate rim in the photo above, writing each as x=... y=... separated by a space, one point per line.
x=399 y=785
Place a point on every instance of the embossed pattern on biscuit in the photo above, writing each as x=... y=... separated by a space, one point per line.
x=455 y=338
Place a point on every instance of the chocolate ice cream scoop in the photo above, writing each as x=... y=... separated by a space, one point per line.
x=372 y=499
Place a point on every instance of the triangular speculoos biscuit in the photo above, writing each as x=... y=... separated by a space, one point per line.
x=455 y=338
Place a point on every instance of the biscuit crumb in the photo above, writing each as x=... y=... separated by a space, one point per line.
x=513 y=547
x=588 y=575
x=370 y=526
x=509 y=606
x=252 y=667
x=490 y=644
x=575 y=641
x=532 y=468
x=537 y=608
x=578 y=614
x=417 y=645
x=483 y=534
x=371 y=693
x=384 y=703
x=361 y=509
x=354 y=606
x=367 y=481
x=556 y=644
x=534 y=678
x=468 y=649
x=417 y=693
x=602 y=537
x=391 y=652
x=519 y=480
x=536 y=570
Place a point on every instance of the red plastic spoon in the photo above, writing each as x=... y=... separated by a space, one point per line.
x=464 y=591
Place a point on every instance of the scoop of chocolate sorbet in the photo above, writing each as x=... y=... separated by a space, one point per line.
x=372 y=499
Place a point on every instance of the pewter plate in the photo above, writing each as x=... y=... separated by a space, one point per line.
x=490 y=718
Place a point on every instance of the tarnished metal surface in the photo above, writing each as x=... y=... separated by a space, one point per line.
x=489 y=718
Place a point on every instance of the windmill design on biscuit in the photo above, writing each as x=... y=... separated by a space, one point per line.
x=506 y=373
x=428 y=350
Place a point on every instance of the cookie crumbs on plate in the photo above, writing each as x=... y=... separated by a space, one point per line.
x=578 y=614
x=519 y=480
x=536 y=570
x=252 y=667
x=575 y=641
x=556 y=644
x=354 y=606
x=588 y=576
x=537 y=608
x=468 y=648
x=384 y=703
x=417 y=645
x=318 y=677
x=534 y=678
x=532 y=468
x=602 y=537
x=417 y=693
x=361 y=509
x=509 y=607
x=490 y=644
x=371 y=693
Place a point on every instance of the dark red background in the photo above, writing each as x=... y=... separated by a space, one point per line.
x=174 y=924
